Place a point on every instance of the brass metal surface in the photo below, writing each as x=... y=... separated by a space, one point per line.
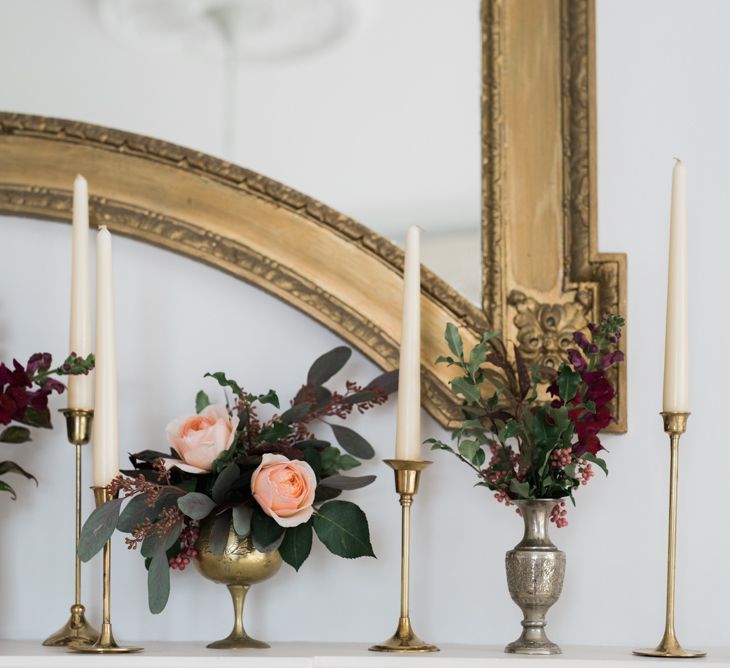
x=407 y=477
x=542 y=275
x=239 y=566
x=105 y=642
x=76 y=630
x=675 y=424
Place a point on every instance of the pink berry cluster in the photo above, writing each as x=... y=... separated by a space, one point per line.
x=188 y=537
x=561 y=457
x=502 y=497
x=558 y=515
x=585 y=471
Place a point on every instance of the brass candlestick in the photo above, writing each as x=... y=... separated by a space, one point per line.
x=76 y=629
x=675 y=424
x=407 y=476
x=105 y=643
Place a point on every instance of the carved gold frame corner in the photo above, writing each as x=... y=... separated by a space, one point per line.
x=543 y=277
x=539 y=202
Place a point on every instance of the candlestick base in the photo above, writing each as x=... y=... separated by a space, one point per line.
x=105 y=644
x=76 y=630
x=404 y=640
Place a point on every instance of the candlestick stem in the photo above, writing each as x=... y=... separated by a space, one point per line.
x=105 y=644
x=675 y=424
x=407 y=477
x=76 y=630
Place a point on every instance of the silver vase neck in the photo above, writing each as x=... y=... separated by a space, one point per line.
x=536 y=516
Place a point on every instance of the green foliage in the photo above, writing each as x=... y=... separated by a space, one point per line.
x=98 y=528
x=202 y=401
x=241 y=518
x=352 y=442
x=297 y=544
x=195 y=505
x=266 y=533
x=158 y=582
x=327 y=365
x=15 y=434
x=343 y=528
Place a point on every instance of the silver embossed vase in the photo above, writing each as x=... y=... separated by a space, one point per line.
x=535 y=571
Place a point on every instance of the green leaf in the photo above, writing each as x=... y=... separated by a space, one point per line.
x=276 y=432
x=479 y=458
x=195 y=505
x=469 y=449
x=346 y=462
x=98 y=528
x=601 y=463
x=343 y=528
x=590 y=406
x=265 y=531
x=12 y=467
x=223 y=381
x=158 y=582
x=360 y=397
x=386 y=382
x=568 y=381
x=477 y=357
x=137 y=509
x=201 y=401
x=4 y=487
x=241 y=519
x=439 y=445
x=269 y=398
x=15 y=434
x=219 y=532
x=327 y=365
x=453 y=338
x=34 y=418
x=352 y=442
x=463 y=386
x=522 y=489
x=297 y=544
x=445 y=359
x=347 y=482
x=223 y=483
x=161 y=542
x=295 y=413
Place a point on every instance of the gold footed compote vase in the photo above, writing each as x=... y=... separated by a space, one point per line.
x=239 y=566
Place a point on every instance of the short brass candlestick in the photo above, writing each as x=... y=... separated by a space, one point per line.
x=675 y=424
x=105 y=643
x=76 y=629
x=407 y=476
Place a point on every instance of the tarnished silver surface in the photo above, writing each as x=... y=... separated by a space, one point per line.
x=535 y=572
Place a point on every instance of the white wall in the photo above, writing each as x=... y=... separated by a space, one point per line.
x=660 y=94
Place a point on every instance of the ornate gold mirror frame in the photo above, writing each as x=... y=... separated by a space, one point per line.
x=542 y=275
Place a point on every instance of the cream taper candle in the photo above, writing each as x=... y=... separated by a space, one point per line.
x=106 y=419
x=676 y=377
x=408 y=433
x=80 y=387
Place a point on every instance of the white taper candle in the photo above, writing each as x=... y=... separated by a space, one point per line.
x=106 y=418
x=676 y=376
x=408 y=434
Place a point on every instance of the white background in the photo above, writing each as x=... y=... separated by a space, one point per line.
x=661 y=68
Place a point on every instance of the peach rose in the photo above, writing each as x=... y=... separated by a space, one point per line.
x=199 y=439
x=284 y=488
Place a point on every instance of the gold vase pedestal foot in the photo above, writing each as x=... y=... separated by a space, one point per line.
x=105 y=644
x=238 y=638
x=407 y=477
x=404 y=640
x=76 y=631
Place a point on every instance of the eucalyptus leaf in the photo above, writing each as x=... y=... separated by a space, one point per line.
x=223 y=483
x=241 y=519
x=327 y=365
x=345 y=482
x=158 y=582
x=195 y=505
x=352 y=442
x=219 y=532
x=137 y=508
x=98 y=528
x=295 y=413
x=386 y=382
x=160 y=542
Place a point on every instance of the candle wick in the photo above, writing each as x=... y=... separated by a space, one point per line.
x=102 y=228
x=679 y=160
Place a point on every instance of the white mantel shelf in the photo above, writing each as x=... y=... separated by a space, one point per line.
x=28 y=653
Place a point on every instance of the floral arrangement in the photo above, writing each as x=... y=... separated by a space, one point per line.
x=272 y=479
x=24 y=393
x=536 y=435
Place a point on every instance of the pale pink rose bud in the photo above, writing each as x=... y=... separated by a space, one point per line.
x=284 y=488
x=199 y=439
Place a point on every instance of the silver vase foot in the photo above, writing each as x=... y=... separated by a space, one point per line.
x=535 y=572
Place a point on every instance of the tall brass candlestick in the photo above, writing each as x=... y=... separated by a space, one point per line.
x=105 y=643
x=407 y=476
x=675 y=424
x=76 y=629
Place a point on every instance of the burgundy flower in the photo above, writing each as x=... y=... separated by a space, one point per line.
x=577 y=360
x=580 y=339
x=38 y=362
